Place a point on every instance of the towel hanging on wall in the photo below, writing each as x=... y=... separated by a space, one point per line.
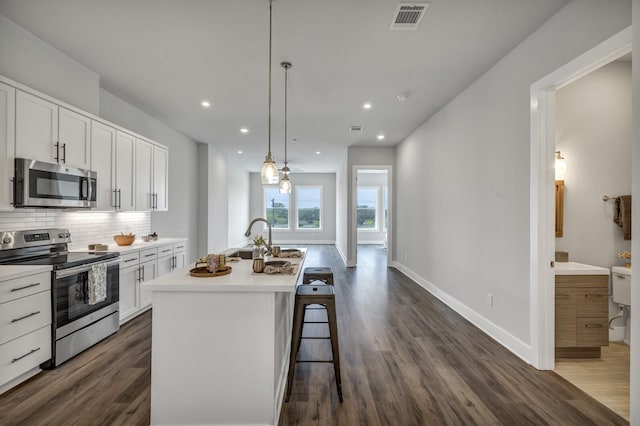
x=622 y=214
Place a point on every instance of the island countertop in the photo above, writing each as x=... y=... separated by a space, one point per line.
x=241 y=279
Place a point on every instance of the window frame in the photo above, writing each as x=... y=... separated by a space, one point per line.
x=376 y=228
x=265 y=188
x=297 y=208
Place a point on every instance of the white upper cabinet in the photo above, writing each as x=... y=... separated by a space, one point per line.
x=7 y=144
x=36 y=128
x=124 y=188
x=103 y=155
x=74 y=133
x=144 y=175
x=160 y=178
x=49 y=133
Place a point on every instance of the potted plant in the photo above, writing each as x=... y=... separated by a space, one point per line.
x=258 y=247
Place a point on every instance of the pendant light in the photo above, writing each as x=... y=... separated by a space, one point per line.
x=269 y=173
x=285 y=183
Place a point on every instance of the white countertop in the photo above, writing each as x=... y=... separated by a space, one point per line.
x=137 y=245
x=8 y=272
x=575 y=268
x=241 y=279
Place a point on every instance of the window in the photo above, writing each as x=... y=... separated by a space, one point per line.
x=367 y=202
x=276 y=206
x=309 y=205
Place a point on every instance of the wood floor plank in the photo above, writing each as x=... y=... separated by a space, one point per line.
x=406 y=358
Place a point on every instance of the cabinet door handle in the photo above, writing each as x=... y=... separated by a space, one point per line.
x=142 y=271
x=563 y=296
x=57 y=157
x=130 y=260
x=27 y=354
x=64 y=153
x=590 y=296
x=149 y=255
x=624 y=277
x=26 y=286
x=24 y=317
x=593 y=325
x=115 y=199
x=119 y=199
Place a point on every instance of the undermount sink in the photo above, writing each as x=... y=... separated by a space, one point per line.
x=621 y=285
x=242 y=254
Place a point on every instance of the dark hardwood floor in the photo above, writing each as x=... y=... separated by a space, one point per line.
x=407 y=359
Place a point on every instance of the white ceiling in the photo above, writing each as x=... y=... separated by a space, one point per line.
x=166 y=56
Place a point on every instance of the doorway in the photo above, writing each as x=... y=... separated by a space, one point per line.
x=372 y=217
x=543 y=146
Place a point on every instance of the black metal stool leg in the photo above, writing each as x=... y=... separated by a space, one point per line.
x=296 y=334
x=333 y=331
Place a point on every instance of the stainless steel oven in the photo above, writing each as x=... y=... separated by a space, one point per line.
x=40 y=184
x=77 y=318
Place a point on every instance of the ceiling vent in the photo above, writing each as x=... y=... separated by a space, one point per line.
x=355 y=129
x=408 y=16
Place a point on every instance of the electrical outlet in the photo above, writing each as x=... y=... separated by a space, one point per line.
x=489 y=299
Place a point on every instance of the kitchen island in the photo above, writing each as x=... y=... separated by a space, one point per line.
x=220 y=345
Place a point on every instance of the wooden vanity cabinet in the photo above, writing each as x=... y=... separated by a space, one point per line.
x=581 y=323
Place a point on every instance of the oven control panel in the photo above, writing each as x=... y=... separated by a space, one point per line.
x=42 y=236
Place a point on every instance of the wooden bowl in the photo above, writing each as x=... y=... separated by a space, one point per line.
x=124 y=240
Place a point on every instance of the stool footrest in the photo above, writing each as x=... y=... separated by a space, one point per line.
x=311 y=360
x=318 y=337
x=316 y=322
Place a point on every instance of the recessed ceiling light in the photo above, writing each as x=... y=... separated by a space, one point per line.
x=317 y=152
x=205 y=104
x=240 y=151
x=244 y=130
x=366 y=105
x=380 y=137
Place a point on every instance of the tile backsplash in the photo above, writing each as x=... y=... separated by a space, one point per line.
x=86 y=227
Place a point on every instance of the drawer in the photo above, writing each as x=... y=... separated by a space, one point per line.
x=148 y=254
x=592 y=302
x=24 y=315
x=24 y=286
x=593 y=332
x=179 y=247
x=21 y=355
x=165 y=250
x=130 y=259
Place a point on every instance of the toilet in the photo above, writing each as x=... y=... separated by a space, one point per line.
x=621 y=294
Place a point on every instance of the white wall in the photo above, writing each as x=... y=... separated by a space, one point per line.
x=379 y=181
x=182 y=218
x=593 y=131
x=635 y=282
x=342 y=189
x=462 y=205
x=362 y=156
x=239 y=183
x=327 y=235
x=30 y=61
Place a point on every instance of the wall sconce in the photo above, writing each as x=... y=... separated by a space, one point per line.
x=561 y=166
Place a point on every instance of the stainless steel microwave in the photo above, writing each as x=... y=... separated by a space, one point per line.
x=40 y=184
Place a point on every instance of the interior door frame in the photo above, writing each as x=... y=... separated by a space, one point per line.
x=542 y=190
x=354 y=210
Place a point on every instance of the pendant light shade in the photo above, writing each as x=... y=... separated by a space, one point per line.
x=285 y=182
x=269 y=173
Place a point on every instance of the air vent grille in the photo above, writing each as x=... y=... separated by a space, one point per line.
x=355 y=129
x=408 y=16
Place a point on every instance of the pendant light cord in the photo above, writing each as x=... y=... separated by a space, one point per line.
x=270 y=25
x=286 y=79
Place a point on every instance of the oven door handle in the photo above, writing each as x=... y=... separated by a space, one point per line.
x=80 y=269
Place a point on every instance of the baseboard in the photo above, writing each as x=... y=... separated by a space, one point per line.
x=500 y=335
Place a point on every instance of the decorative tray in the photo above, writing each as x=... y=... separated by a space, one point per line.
x=201 y=272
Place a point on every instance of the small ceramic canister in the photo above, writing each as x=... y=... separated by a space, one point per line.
x=275 y=250
x=213 y=263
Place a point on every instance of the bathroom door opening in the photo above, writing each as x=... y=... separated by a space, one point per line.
x=542 y=197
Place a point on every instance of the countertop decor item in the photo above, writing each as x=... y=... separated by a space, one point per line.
x=124 y=240
x=625 y=255
x=203 y=272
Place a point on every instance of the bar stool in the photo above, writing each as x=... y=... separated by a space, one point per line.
x=317 y=273
x=308 y=295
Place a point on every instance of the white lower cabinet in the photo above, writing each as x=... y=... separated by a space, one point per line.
x=25 y=327
x=145 y=265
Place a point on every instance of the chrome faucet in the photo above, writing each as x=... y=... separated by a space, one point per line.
x=260 y=219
